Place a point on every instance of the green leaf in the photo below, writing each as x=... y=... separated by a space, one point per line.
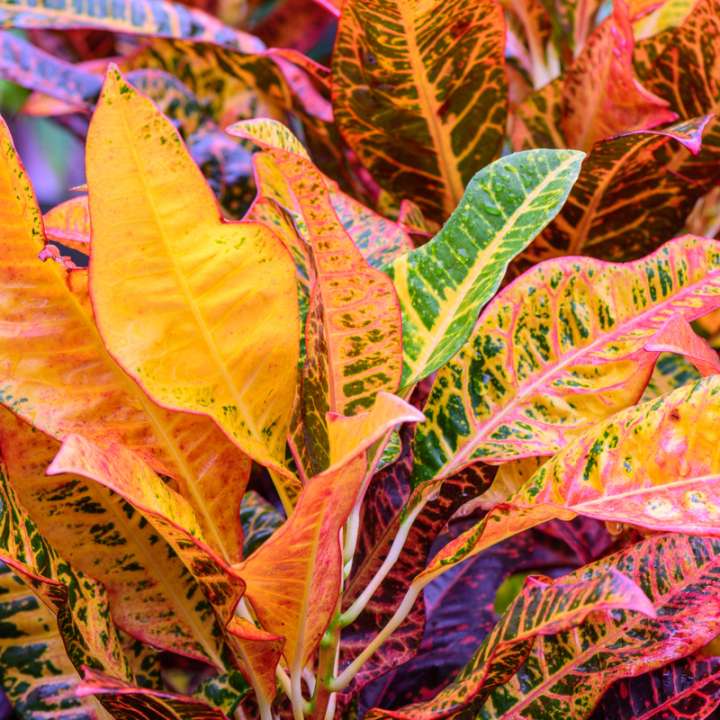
x=443 y=285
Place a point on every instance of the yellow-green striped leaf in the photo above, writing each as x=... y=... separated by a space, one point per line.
x=558 y=350
x=443 y=285
x=419 y=93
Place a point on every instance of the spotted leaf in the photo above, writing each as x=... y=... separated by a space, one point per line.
x=443 y=284
x=419 y=93
x=558 y=350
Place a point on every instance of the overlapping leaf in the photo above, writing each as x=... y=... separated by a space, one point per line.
x=419 y=93
x=59 y=400
x=98 y=529
x=69 y=224
x=542 y=608
x=556 y=351
x=259 y=521
x=443 y=284
x=236 y=340
x=654 y=465
x=139 y=17
x=566 y=674
x=353 y=332
x=601 y=96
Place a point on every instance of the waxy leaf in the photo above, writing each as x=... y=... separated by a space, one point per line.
x=601 y=96
x=293 y=580
x=677 y=336
x=136 y=17
x=353 y=332
x=558 y=350
x=651 y=465
x=35 y=671
x=97 y=529
x=566 y=674
x=225 y=291
x=443 y=284
x=686 y=688
x=259 y=521
x=542 y=608
x=419 y=93
x=69 y=224
x=40 y=380
x=127 y=702
x=663 y=171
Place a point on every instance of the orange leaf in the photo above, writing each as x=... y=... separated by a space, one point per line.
x=69 y=224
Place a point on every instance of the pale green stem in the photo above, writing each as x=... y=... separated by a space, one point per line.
x=393 y=554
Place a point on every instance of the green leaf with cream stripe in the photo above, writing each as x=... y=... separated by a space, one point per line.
x=444 y=284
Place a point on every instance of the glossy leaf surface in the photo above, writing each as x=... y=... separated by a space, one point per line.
x=443 y=284
x=558 y=350
x=236 y=345
x=419 y=93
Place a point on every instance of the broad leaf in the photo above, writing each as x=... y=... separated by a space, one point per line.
x=558 y=350
x=128 y=702
x=677 y=336
x=40 y=380
x=443 y=284
x=97 y=529
x=419 y=93
x=651 y=465
x=680 y=576
x=690 y=685
x=353 y=332
x=35 y=671
x=235 y=324
x=542 y=608
x=601 y=96
x=135 y=17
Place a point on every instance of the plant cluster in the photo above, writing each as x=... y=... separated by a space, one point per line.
x=378 y=389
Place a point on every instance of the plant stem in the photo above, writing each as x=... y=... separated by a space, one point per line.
x=393 y=554
x=395 y=621
x=327 y=663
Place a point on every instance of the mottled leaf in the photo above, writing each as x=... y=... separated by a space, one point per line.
x=419 y=93
x=443 y=284
x=259 y=521
x=670 y=372
x=558 y=350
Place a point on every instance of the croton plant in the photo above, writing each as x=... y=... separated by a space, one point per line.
x=372 y=372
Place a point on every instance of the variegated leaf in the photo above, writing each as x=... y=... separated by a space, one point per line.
x=69 y=224
x=670 y=373
x=601 y=96
x=654 y=465
x=240 y=373
x=39 y=378
x=558 y=350
x=35 y=671
x=542 y=608
x=443 y=284
x=419 y=93
x=136 y=17
x=677 y=336
x=259 y=521
x=566 y=674
x=353 y=332
x=98 y=529
x=128 y=702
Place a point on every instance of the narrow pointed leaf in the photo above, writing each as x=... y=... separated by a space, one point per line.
x=680 y=576
x=97 y=530
x=40 y=380
x=601 y=96
x=293 y=580
x=127 y=702
x=542 y=608
x=443 y=284
x=558 y=350
x=135 y=17
x=419 y=93
x=235 y=322
x=653 y=465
